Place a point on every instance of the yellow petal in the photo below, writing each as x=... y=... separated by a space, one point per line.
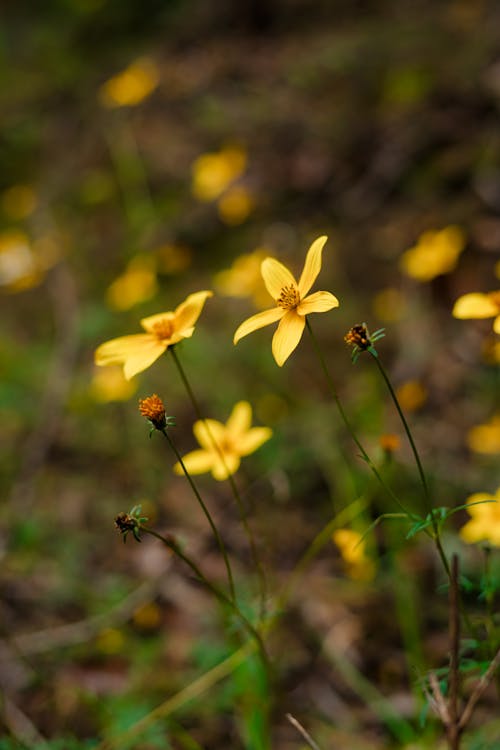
x=240 y=420
x=223 y=468
x=196 y=462
x=189 y=311
x=276 y=276
x=253 y=439
x=264 y=318
x=317 y=303
x=474 y=305
x=312 y=266
x=209 y=433
x=150 y=322
x=287 y=336
x=135 y=352
x=496 y=324
x=144 y=358
x=481 y=504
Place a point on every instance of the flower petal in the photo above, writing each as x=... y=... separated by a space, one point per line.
x=264 y=318
x=223 y=468
x=136 y=353
x=253 y=439
x=496 y=324
x=312 y=266
x=479 y=504
x=240 y=420
x=189 y=311
x=209 y=433
x=150 y=322
x=276 y=276
x=287 y=336
x=474 y=305
x=196 y=462
x=317 y=303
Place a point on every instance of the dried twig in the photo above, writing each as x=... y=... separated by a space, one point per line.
x=305 y=734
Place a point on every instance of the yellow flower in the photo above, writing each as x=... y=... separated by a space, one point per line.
x=131 y=86
x=477 y=305
x=352 y=548
x=485 y=438
x=137 y=352
x=235 y=205
x=484 y=525
x=244 y=278
x=23 y=264
x=137 y=284
x=434 y=254
x=411 y=395
x=292 y=302
x=214 y=172
x=18 y=201
x=110 y=385
x=223 y=446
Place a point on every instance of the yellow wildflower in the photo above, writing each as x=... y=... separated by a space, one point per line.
x=147 y=616
x=110 y=385
x=137 y=352
x=172 y=258
x=18 y=202
x=23 y=263
x=235 y=205
x=390 y=443
x=223 y=446
x=484 y=525
x=434 y=254
x=137 y=284
x=131 y=86
x=214 y=172
x=352 y=548
x=477 y=305
x=244 y=278
x=485 y=438
x=110 y=641
x=411 y=395
x=292 y=302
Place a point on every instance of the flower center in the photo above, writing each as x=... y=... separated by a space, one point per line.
x=163 y=329
x=289 y=298
x=495 y=298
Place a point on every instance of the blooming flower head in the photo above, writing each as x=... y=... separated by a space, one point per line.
x=137 y=284
x=137 y=352
x=224 y=445
x=153 y=409
x=244 y=278
x=434 y=254
x=484 y=525
x=131 y=86
x=292 y=302
x=477 y=305
x=214 y=172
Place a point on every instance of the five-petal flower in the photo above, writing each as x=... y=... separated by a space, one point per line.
x=292 y=300
x=137 y=352
x=223 y=446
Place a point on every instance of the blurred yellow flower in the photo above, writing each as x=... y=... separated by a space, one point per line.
x=147 y=616
x=235 y=205
x=110 y=385
x=485 y=438
x=22 y=263
x=353 y=550
x=110 y=641
x=223 y=446
x=18 y=202
x=131 y=86
x=138 y=352
x=484 y=525
x=214 y=172
x=434 y=254
x=411 y=395
x=171 y=259
x=244 y=278
x=137 y=284
x=390 y=443
x=477 y=305
x=292 y=302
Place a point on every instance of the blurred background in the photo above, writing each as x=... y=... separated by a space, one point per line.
x=152 y=149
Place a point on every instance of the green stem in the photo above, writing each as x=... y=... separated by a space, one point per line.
x=427 y=495
x=170 y=543
x=210 y=520
x=347 y=423
x=239 y=502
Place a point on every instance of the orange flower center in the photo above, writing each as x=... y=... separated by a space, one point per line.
x=289 y=298
x=163 y=329
x=495 y=298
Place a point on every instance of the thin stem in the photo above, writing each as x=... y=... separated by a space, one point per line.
x=170 y=543
x=416 y=455
x=210 y=520
x=347 y=423
x=453 y=728
x=239 y=502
